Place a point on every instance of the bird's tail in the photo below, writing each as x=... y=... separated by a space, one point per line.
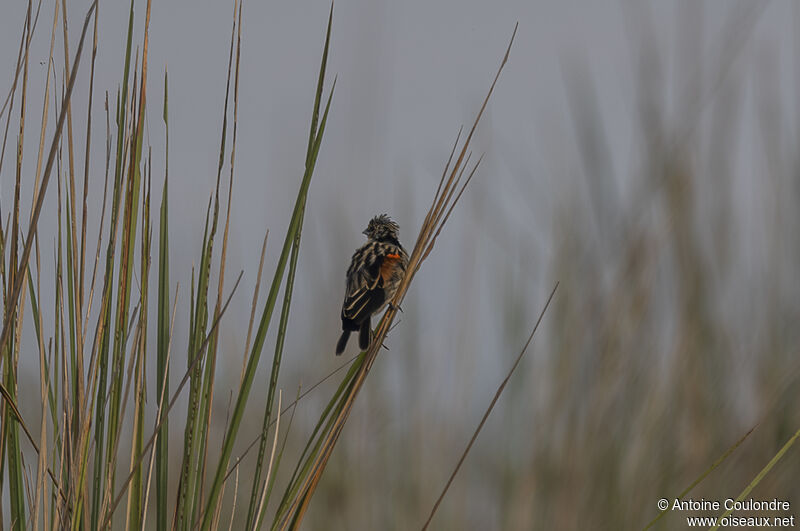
x=363 y=335
x=342 y=343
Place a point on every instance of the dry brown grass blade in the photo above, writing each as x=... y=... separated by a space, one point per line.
x=444 y=175
x=235 y=494
x=489 y=409
x=453 y=204
x=71 y=215
x=271 y=461
x=26 y=253
x=45 y=106
x=84 y=209
x=42 y=458
x=443 y=202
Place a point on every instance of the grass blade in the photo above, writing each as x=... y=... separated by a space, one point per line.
x=489 y=409
x=761 y=475
x=162 y=369
x=284 y=318
x=266 y=317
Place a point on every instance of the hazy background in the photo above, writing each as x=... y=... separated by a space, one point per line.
x=643 y=154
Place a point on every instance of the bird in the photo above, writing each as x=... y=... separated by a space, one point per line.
x=375 y=272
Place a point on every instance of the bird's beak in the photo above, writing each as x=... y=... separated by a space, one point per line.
x=364 y=232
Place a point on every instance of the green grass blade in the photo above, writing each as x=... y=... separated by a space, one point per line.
x=206 y=403
x=11 y=438
x=71 y=300
x=136 y=491
x=252 y=362
x=273 y=382
x=312 y=134
x=196 y=334
x=284 y=318
x=100 y=465
x=162 y=370
x=127 y=261
x=129 y=226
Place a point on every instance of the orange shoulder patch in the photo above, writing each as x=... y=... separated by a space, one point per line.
x=388 y=265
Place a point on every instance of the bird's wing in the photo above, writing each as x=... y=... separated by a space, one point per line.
x=364 y=294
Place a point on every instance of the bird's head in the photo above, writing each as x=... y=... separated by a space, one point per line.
x=382 y=228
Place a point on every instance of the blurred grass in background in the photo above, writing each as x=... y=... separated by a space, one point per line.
x=673 y=333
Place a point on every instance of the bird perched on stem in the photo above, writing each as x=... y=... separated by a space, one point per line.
x=374 y=274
